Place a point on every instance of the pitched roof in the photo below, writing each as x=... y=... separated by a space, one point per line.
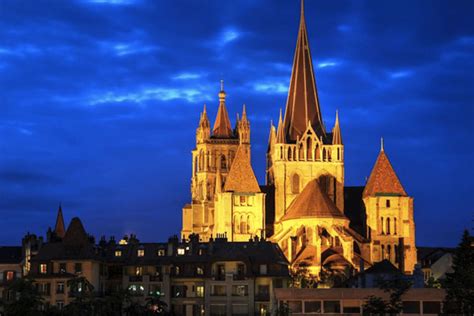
x=59 y=227
x=302 y=105
x=383 y=267
x=241 y=177
x=383 y=179
x=222 y=127
x=312 y=202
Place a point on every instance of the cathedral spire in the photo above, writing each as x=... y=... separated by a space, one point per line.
x=336 y=132
x=280 y=137
x=302 y=104
x=59 y=227
x=222 y=127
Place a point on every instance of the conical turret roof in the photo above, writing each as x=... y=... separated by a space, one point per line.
x=383 y=179
x=59 y=227
x=222 y=127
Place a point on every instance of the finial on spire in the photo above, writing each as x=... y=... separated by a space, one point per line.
x=204 y=108
x=302 y=8
x=381 y=144
x=337 y=116
x=222 y=85
x=222 y=92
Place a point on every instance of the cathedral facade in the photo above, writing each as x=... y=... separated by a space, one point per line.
x=304 y=206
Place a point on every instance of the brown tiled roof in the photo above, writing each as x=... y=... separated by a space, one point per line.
x=241 y=177
x=302 y=105
x=76 y=234
x=312 y=202
x=383 y=179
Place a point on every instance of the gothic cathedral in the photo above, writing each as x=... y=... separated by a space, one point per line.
x=304 y=206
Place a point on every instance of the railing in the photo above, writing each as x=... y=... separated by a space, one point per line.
x=135 y=278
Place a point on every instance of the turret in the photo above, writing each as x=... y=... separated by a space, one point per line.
x=336 y=132
x=203 y=132
x=222 y=127
x=244 y=128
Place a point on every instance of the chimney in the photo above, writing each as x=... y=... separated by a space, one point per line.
x=401 y=254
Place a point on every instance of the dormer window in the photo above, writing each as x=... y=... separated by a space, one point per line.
x=181 y=251
x=43 y=268
x=161 y=252
x=118 y=253
x=140 y=252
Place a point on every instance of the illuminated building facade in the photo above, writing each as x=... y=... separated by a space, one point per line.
x=304 y=206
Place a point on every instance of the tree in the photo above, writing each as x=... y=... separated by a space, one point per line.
x=300 y=276
x=460 y=283
x=395 y=287
x=155 y=305
x=82 y=291
x=283 y=310
x=27 y=299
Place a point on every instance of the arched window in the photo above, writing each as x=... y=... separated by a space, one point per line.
x=395 y=226
x=243 y=225
x=301 y=152
x=317 y=154
x=248 y=224
x=382 y=230
x=236 y=225
x=388 y=225
x=395 y=249
x=389 y=253
x=295 y=184
x=383 y=252
x=223 y=163
x=290 y=156
x=324 y=154
x=309 y=148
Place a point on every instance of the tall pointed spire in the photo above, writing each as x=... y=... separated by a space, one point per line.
x=59 y=227
x=204 y=121
x=336 y=132
x=280 y=137
x=222 y=127
x=381 y=144
x=271 y=136
x=302 y=104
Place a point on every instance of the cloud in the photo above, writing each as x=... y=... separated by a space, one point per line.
x=21 y=50
x=148 y=94
x=271 y=87
x=344 y=28
x=328 y=63
x=112 y=2
x=125 y=49
x=400 y=74
x=186 y=76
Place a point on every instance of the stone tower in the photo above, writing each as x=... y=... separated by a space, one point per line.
x=389 y=212
x=212 y=159
x=302 y=149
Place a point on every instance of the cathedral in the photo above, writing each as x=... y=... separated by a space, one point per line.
x=304 y=206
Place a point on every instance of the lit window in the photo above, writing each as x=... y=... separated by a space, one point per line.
x=161 y=252
x=243 y=200
x=176 y=270
x=263 y=269
x=199 y=270
x=10 y=275
x=43 y=268
x=138 y=271
x=118 y=253
x=141 y=252
x=200 y=291
x=181 y=251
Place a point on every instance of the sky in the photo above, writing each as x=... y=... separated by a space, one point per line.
x=99 y=101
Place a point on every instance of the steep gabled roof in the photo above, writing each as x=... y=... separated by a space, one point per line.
x=302 y=105
x=312 y=202
x=336 y=132
x=383 y=179
x=241 y=177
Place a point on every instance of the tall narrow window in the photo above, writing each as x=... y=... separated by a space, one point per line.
x=394 y=225
x=389 y=252
x=309 y=147
x=295 y=184
x=388 y=225
x=223 y=163
x=243 y=225
x=290 y=156
x=387 y=203
x=383 y=252
x=382 y=230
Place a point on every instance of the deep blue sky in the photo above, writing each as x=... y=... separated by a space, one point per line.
x=99 y=101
